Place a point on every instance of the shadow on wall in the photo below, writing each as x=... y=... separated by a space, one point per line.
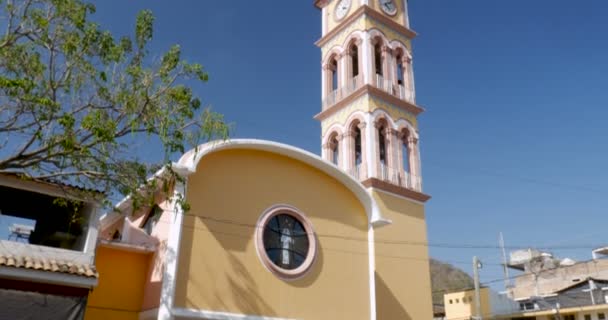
x=168 y=277
x=396 y=205
x=388 y=307
x=313 y=274
x=245 y=293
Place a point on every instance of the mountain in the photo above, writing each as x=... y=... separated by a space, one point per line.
x=445 y=278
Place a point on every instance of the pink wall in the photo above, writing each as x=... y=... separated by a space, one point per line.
x=155 y=274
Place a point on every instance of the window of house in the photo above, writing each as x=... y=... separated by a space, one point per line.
x=587 y=317
x=378 y=58
x=399 y=71
x=358 y=154
x=355 y=56
x=285 y=242
x=382 y=145
x=451 y=301
x=40 y=219
x=569 y=317
x=527 y=306
x=334 y=75
x=601 y=316
x=152 y=219
x=405 y=152
x=335 y=150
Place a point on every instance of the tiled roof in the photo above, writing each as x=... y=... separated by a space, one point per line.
x=56 y=182
x=49 y=265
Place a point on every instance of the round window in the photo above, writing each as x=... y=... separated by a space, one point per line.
x=285 y=242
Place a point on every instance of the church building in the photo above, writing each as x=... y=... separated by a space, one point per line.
x=270 y=231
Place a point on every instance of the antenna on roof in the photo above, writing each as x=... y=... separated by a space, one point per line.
x=501 y=243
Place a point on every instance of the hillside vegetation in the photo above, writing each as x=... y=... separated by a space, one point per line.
x=445 y=278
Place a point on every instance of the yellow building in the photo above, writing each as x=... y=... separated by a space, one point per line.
x=461 y=305
x=274 y=232
x=580 y=301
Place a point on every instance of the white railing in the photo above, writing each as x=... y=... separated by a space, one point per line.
x=384 y=84
x=358 y=172
x=337 y=95
x=399 y=91
x=331 y=99
x=354 y=83
x=399 y=177
x=403 y=93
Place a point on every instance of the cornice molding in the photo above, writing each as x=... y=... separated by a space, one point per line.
x=366 y=10
x=368 y=89
x=391 y=188
x=320 y=3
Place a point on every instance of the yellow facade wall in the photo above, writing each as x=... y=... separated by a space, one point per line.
x=218 y=267
x=461 y=305
x=398 y=17
x=122 y=278
x=403 y=284
x=331 y=21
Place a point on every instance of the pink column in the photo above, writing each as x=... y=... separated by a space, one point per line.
x=349 y=136
x=401 y=169
x=326 y=80
x=341 y=151
x=327 y=151
x=376 y=150
x=360 y=61
x=386 y=73
x=414 y=160
x=348 y=70
x=407 y=77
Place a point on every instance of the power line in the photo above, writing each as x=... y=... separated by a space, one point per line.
x=486 y=172
x=407 y=242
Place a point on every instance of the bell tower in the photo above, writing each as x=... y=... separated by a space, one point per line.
x=369 y=111
x=369 y=123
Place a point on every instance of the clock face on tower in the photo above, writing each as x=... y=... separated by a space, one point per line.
x=342 y=9
x=388 y=6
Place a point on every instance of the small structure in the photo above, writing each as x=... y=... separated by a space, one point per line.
x=20 y=232
x=47 y=257
x=461 y=304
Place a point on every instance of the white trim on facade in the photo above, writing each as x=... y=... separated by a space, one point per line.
x=169 y=275
x=398 y=196
x=371 y=248
x=191 y=159
x=92 y=230
x=406 y=15
x=217 y=315
x=53 y=278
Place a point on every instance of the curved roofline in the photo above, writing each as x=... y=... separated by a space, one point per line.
x=188 y=163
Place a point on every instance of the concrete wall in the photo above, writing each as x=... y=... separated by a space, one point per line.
x=549 y=281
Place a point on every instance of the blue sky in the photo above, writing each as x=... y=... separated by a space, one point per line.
x=516 y=95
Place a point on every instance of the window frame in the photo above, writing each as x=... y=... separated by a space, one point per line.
x=311 y=255
x=153 y=217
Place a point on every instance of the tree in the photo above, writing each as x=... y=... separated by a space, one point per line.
x=73 y=98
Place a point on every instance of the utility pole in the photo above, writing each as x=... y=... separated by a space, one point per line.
x=476 y=266
x=505 y=267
